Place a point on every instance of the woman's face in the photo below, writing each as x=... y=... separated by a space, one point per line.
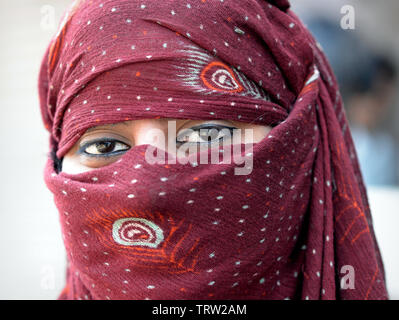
x=102 y=145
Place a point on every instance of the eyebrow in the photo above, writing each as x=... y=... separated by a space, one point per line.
x=107 y=126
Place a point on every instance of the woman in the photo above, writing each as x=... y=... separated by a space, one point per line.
x=140 y=223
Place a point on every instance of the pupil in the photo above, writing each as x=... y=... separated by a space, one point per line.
x=105 y=147
x=209 y=135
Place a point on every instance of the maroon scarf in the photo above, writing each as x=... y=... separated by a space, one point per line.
x=134 y=230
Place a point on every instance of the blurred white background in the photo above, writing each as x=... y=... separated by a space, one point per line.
x=32 y=256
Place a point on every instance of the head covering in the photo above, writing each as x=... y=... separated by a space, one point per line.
x=133 y=230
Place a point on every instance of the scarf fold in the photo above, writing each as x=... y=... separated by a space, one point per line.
x=291 y=229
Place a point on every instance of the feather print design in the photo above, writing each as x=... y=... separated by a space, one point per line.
x=138 y=236
x=207 y=75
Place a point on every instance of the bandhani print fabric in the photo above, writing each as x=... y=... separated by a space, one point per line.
x=136 y=230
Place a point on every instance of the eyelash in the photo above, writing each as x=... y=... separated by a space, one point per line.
x=82 y=149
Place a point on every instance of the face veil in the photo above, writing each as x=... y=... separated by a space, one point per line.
x=134 y=230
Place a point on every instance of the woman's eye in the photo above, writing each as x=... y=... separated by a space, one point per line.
x=205 y=134
x=104 y=148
